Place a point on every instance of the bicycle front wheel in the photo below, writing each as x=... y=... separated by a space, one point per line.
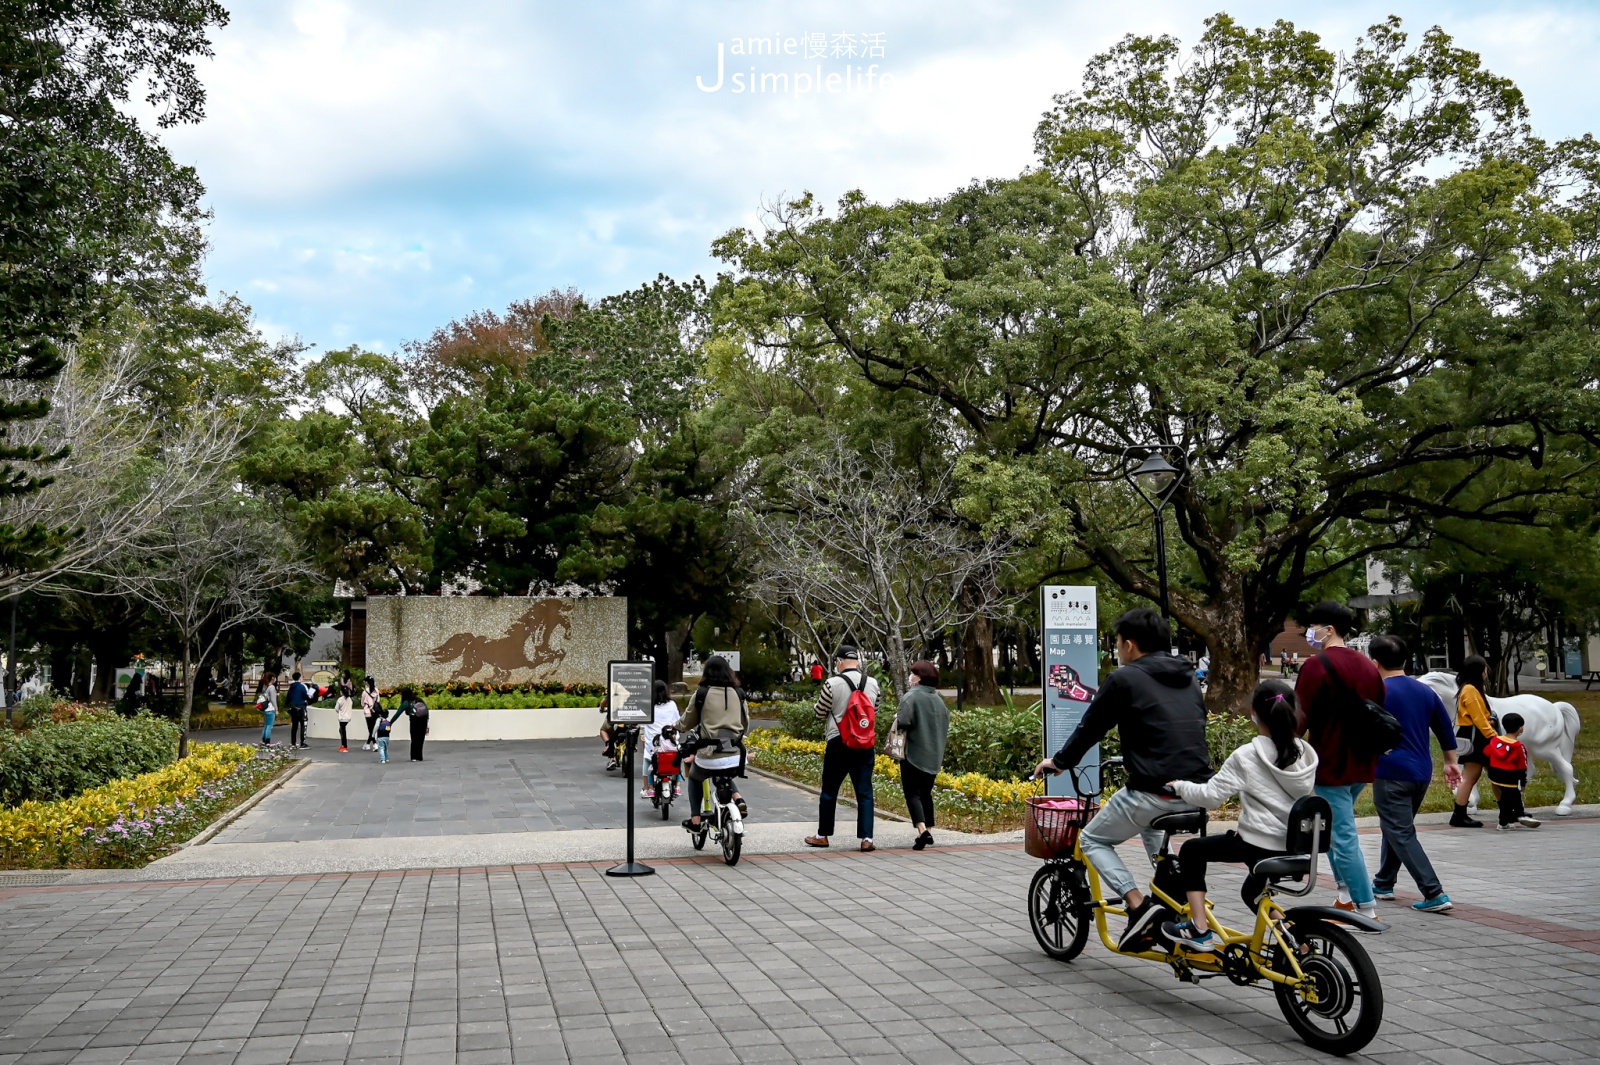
x=1340 y=1008
x=731 y=841
x=1059 y=923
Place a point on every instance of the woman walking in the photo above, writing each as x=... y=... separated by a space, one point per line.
x=372 y=711
x=413 y=705
x=267 y=703
x=925 y=719
x=1475 y=730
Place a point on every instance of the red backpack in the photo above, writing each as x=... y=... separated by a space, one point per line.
x=858 y=721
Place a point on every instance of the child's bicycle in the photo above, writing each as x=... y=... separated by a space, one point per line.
x=663 y=776
x=1324 y=981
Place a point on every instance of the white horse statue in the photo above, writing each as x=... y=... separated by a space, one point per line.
x=1550 y=730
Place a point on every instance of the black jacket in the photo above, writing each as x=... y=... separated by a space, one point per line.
x=1156 y=707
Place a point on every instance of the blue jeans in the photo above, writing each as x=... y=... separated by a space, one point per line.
x=1344 y=846
x=839 y=761
x=266 y=726
x=383 y=748
x=1126 y=814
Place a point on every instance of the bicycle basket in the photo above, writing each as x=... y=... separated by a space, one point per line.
x=1053 y=823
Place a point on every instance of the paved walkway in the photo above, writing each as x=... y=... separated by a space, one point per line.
x=465 y=788
x=883 y=958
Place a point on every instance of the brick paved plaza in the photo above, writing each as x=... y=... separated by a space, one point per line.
x=707 y=964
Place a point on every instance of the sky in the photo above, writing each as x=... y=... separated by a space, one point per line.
x=377 y=168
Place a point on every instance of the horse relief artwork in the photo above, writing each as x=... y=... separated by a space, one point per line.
x=529 y=644
x=494 y=640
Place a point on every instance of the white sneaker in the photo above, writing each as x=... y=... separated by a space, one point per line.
x=1529 y=822
x=1504 y=828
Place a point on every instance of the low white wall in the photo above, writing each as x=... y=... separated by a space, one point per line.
x=551 y=723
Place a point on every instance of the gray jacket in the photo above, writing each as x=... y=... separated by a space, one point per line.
x=925 y=719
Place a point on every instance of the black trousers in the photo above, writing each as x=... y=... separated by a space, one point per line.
x=297 y=726
x=372 y=724
x=419 y=731
x=1199 y=852
x=344 y=737
x=918 y=789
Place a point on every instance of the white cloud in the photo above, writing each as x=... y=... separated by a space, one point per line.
x=379 y=167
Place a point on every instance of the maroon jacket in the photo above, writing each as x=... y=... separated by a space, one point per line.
x=1322 y=722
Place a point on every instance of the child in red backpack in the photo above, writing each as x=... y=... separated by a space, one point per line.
x=1508 y=772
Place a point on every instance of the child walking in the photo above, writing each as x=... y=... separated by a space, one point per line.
x=1268 y=774
x=383 y=738
x=1508 y=772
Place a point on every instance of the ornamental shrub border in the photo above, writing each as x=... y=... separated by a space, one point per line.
x=128 y=823
x=966 y=802
x=58 y=759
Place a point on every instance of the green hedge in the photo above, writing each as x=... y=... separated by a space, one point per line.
x=1004 y=742
x=514 y=701
x=57 y=761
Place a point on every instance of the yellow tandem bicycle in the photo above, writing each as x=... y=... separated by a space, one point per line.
x=1323 y=979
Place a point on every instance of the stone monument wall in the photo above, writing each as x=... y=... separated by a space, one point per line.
x=504 y=640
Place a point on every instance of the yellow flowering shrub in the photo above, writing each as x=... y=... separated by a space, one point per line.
x=972 y=801
x=135 y=817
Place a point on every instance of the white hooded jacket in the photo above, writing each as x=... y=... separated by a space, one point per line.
x=1265 y=792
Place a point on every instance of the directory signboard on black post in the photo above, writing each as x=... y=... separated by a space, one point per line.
x=630 y=702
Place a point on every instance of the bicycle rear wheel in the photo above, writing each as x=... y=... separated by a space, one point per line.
x=1060 y=923
x=1349 y=999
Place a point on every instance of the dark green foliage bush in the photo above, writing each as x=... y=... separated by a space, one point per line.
x=57 y=761
x=998 y=742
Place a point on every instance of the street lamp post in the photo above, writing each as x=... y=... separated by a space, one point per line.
x=1156 y=480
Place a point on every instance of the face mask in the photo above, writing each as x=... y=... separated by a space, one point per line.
x=1314 y=636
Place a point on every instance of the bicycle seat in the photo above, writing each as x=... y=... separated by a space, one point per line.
x=1181 y=821
x=1288 y=867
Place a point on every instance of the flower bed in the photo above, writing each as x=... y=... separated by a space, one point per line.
x=968 y=802
x=130 y=822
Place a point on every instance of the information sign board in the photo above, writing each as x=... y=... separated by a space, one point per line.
x=1071 y=638
x=631 y=692
x=732 y=658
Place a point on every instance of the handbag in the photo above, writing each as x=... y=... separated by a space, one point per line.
x=894 y=744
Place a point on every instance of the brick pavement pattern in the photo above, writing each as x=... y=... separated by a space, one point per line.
x=466 y=788
x=934 y=964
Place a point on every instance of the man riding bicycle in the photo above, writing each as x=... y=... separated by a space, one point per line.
x=1155 y=704
x=720 y=714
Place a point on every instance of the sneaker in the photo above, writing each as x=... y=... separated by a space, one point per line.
x=1383 y=894
x=1183 y=934
x=344 y=750
x=1529 y=822
x=1139 y=923
x=647 y=793
x=611 y=765
x=1341 y=904
x=1504 y=828
x=1368 y=910
x=1437 y=904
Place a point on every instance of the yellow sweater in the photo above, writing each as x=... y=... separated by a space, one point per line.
x=1471 y=709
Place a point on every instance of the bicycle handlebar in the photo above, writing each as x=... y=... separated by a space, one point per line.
x=1108 y=764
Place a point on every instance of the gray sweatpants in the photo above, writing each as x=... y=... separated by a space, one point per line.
x=1126 y=814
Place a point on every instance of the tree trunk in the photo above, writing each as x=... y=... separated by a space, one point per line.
x=1234 y=640
x=898 y=663
x=982 y=687
x=188 y=703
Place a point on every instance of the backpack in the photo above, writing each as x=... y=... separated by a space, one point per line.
x=1368 y=729
x=384 y=725
x=419 y=710
x=858 y=726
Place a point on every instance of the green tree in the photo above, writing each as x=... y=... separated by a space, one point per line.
x=1304 y=269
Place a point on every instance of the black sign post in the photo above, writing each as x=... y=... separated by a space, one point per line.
x=630 y=692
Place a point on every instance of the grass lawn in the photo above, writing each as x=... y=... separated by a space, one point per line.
x=1544 y=789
